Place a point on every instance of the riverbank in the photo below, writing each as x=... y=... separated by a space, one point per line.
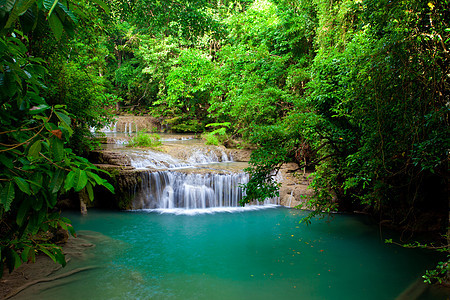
x=45 y=273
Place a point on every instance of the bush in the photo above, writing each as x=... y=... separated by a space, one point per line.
x=143 y=139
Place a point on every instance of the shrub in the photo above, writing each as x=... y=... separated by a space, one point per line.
x=143 y=139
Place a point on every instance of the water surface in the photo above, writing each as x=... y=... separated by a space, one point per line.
x=260 y=254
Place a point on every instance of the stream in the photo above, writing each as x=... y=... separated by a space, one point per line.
x=188 y=238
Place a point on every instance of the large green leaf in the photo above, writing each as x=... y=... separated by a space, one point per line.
x=23 y=185
x=65 y=121
x=7 y=162
x=80 y=180
x=7 y=195
x=70 y=179
x=20 y=7
x=57 y=181
x=14 y=260
x=56 y=148
x=97 y=178
x=51 y=8
x=56 y=26
x=48 y=4
x=90 y=191
x=108 y=186
x=21 y=214
x=8 y=4
x=25 y=253
x=34 y=150
x=68 y=12
x=36 y=182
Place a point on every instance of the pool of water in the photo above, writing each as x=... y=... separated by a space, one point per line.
x=241 y=254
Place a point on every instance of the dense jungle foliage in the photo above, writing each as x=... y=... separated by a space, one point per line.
x=355 y=90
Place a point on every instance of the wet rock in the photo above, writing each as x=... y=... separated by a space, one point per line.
x=294 y=190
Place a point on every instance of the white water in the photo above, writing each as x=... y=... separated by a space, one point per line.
x=144 y=159
x=186 y=185
x=170 y=190
x=209 y=211
x=111 y=128
x=153 y=159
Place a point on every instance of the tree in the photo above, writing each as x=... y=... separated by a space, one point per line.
x=375 y=110
x=35 y=162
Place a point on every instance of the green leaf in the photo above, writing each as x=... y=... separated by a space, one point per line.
x=97 y=178
x=19 y=8
x=7 y=195
x=48 y=4
x=57 y=181
x=65 y=121
x=6 y=161
x=80 y=180
x=60 y=258
x=34 y=150
x=37 y=205
x=51 y=8
x=54 y=252
x=14 y=260
x=90 y=191
x=25 y=252
x=39 y=109
x=109 y=187
x=69 y=182
x=103 y=5
x=23 y=185
x=71 y=230
x=23 y=209
x=32 y=256
x=56 y=26
x=45 y=251
x=68 y=12
x=36 y=182
x=57 y=148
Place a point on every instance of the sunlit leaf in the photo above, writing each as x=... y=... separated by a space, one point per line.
x=80 y=180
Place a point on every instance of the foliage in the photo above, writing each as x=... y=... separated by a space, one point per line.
x=187 y=84
x=437 y=275
x=78 y=82
x=183 y=18
x=377 y=95
x=356 y=90
x=143 y=139
x=36 y=165
x=219 y=135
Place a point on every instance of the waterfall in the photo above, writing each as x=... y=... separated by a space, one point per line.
x=168 y=189
x=108 y=128
x=196 y=182
x=159 y=160
x=154 y=160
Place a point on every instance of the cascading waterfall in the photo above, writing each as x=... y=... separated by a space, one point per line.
x=167 y=190
x=130 y=129
x=188 y=184
x=158 y=160
x=111 y=128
